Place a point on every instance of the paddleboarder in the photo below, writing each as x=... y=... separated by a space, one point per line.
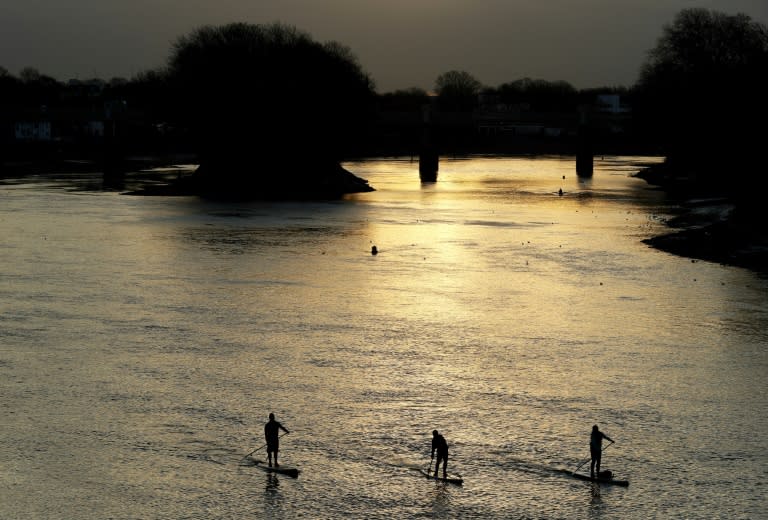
x=271 y=433
x=441 y=446
x=596 y=449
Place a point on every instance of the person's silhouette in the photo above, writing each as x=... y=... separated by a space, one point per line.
x=441 y=446
x=596 y=450
x=271 y=433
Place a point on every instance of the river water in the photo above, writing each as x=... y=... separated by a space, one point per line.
x=144 y=341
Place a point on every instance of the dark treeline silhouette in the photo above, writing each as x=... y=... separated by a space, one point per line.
x=44 y=122
x=457 y=91
x=525 y=116
x=267 y=110
x=703 y=91
x=270 y=110
x=264 y=108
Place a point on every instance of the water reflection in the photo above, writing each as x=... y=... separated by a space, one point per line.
x=273 y=499
x=584 y=183
x=594 y=489
x=494 y=307
x=441 y=501
x=272 y=483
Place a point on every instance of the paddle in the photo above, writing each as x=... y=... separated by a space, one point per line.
x=260 y=448
x=590 y=458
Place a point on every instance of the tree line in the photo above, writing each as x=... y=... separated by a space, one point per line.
x=267 y=105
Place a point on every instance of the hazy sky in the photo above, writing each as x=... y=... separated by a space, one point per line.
x=401 y=43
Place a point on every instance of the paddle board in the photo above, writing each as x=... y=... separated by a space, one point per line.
x=451 y=479
x=599 y=480
x=283 y=470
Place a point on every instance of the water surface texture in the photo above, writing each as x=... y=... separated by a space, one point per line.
x=144 y=341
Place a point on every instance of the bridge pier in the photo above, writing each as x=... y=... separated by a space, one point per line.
x=584 y=153
x=429 y=161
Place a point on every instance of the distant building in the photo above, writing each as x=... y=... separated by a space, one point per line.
x=610 y=103
x=94 y=129
x=33 y=131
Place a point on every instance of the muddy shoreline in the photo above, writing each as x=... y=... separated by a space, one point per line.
x=709 y=228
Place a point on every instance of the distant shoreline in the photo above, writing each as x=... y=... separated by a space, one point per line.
x=706 y=229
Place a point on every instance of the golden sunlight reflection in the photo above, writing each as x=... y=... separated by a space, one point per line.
x=160 y=332
x=524 y=230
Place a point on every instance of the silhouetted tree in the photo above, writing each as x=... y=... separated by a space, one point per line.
x=457 y=90
x=703 y=90
x=410 y=99
x=267 y=104
x=539 y=95
x=148 y=91
x=10 y=88
x=34 y=89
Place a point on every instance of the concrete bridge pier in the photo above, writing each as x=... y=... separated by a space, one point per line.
x=429 y=161
x=584 y=152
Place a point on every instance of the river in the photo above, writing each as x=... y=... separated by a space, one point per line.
x=145 y=340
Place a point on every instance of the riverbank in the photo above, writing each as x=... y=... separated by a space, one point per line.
x=708 y=227
x=704 y=229
x=180 y=175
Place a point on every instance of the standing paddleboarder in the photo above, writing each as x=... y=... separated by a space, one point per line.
x=271 y=433
x=441 y=446
x=596 y=450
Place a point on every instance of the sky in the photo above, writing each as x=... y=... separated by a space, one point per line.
x=400 y=43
